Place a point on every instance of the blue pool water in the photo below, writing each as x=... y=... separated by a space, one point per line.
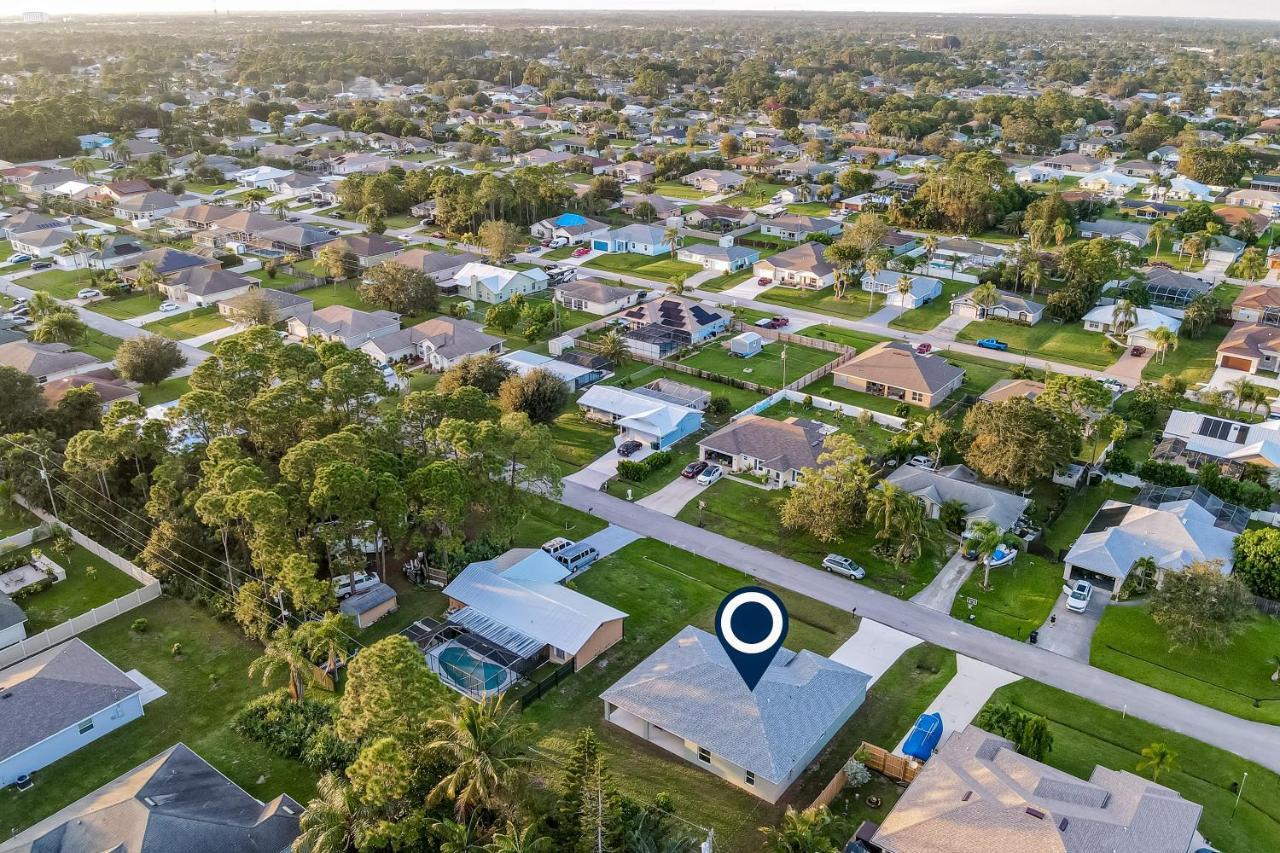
x=466 y=670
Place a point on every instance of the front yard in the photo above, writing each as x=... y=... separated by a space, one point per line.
x=99 y=345
x=767 y=367
x=60 y=284
x=663 y=589
x=1193 y=361
x=751 y=515
x=170 y=389
x=1086 y=734
x=189 y=324
x=578 y=440
x=855 y=305
x=1235 y=679
x=659 y=268
x=675 y=189
x=1021 y=596
x=206 y=684
x=926 y=317
x=127 y=307
x=1068 y=343
x=849 y=337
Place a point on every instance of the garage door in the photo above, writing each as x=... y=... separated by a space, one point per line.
x=1235 y=362
x=601 y=245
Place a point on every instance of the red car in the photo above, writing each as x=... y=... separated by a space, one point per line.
x=924 y=349
x=1138 y=351
x=763 y=280
x=693 y=469
x=582 y=251
x=779 y=322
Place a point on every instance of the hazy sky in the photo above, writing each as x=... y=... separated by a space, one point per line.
x=1254 y=9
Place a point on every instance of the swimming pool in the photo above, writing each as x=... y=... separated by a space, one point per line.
x=470 y=672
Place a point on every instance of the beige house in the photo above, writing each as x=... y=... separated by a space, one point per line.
x=778 y=450
x=595 y=297
x=1257 y=303
x=800 y=266
x=1250 y=347
x=1008 y=306
x=687 y=699
x=895 y=369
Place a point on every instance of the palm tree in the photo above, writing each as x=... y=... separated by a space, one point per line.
x=60 y=327
x=930 y=243
x=1243 y=390
x=1033 y=274
x=285 y=654
x=873 y=264
x=671 y=236
x=482 y=742
x=985 y=296
x=329 y=637
x=1062 y=230
x=987 y=538
x=1124 y=316
x=800 y=832
x=614 y=347
x=1159 y=230
x=513 y=840
x=83 y=166
x=1039 y=233
x=279 y=206
x=905 y=283
x=457 y=837
x=1157 y=758
x=1164 y=339
x=41 y=304
x=332 y=820
x=149 y=278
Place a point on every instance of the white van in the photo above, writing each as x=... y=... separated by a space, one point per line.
x=343 y=587
x=555 y=546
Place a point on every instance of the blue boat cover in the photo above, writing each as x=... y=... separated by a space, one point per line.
x=924 y=737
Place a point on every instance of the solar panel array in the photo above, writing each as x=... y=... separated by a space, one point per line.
x=1223 y=430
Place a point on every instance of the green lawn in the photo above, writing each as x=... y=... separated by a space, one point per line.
x=558 y=254
x=826 y=388
x=206 y=685
x=924 y=318
x=726 y=281
x=99 y=345
x=1193 y=360
x=810 y=208
x=1020 y=599
x=549 y=519
x=872 y=436
x=207 y=189
x=658 y=268
x=855 y=305
x=682 y=453
x=14 y=519
x=60 y=284
x=1068 y=343
x=761 y=194
x=1235 y=679
x=849 y=337
x=578 y=440
x=642 y=374
x=979 y=373
x=90 y=583
x=1225 y=294
x=1086 y=734
x=134 y=305
x=675 y=189
x=169 y=389
x=663 y=589
x=1080 y=509
x=766 y=367
x=750 y=514
x=189 y=324
x=280 y=279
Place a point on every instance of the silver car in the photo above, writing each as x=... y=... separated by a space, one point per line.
x=836 y=564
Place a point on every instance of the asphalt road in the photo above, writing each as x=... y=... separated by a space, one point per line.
x=1256 y=741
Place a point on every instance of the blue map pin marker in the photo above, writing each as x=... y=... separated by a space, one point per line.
x=751 y=624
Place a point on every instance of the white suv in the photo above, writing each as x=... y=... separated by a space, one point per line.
x=1078 y=596
x=343 y=586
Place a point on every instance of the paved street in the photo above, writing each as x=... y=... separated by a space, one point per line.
x=1255 y=741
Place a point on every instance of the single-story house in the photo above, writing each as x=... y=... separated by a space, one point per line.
x=440 y=265
x=1102 y=319
x=284 y=305
x=778 y=450
x=1182 y=188
x=723 y=259
x=714 y=180
x=793 y=226
x=56 y=702
x=1257 y=303
x=1137 y=234
x=441 y=342
x=1194 y=439
x=1008 y=306
x=261 y=177
x=1171 y=288
x=1248 y=346
x=670 y=391
x=800 y=266
x=965 y=252
x=595 y=297
x=206 y=285
x=978 y=794
x=719 y=217
x=571 y=227
x=662 y=326
x=634 y=171
x=45 y=362
x=1174 y=527
x=1111 y=184
x=662 y=207
x=349 y=326
x=370 y=249
x=481 y=282
x=1150 y=210
x=110 y=388
x=143 y=209
x=174 y=801
x=959 y=483
x=369 y=606
x=166 y=262
x=653 y=422
x=895 y=369
x=574 y=376
x=636 y=238
x=1008 y=389
x=688 y=699
x=41 y=243
x=899 y=243
x=1079 y=165
x=923 y=289
x=519 y=602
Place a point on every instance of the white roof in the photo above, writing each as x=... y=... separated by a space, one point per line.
x=1147 y=319
x=1224 y=438
x=1175 y=534
x=494 y=278
x=523 y=361
x=636 y=411
x=525 y=598
x=1114 y=179
x=263 y=173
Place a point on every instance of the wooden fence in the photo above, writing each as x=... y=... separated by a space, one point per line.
x=884 y=762
x=833 y=789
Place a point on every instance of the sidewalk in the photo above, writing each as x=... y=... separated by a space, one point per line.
x=874 y=648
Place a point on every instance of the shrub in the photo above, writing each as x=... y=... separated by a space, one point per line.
x=638 y=471
x=902 y=410
x=293 y=729
x=139 y=626
x=856 y=773
x=1119 y=462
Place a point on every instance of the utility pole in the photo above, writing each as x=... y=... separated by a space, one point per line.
x=44 y=475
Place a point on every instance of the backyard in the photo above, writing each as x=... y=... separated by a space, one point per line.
x=636 y=373
x=206 y=684
x=1086 y=734
x=750 y=514
x=1235 y=678
x=90 y=583
x=663 y=589
x=1047 y=340
x=869 y=434
x=675 y=189
x=578 y=441
x=767 y=367
x=658 y=267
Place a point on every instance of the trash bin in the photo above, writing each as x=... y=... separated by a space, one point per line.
x=1033 y=637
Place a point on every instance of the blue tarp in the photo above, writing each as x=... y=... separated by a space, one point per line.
x=565 y=220
x=924 y=737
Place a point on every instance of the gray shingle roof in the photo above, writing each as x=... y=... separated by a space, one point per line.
x=175 y=802
x=779 y=445
x=689 y=688
x=57 y=688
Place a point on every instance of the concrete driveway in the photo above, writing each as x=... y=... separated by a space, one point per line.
x=941 y=591
x=612 y=538
x=672 y=497
x=963 y=697
x=1070 y=634
x=874 y=648
x=1128 y=369
x=605 y=468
